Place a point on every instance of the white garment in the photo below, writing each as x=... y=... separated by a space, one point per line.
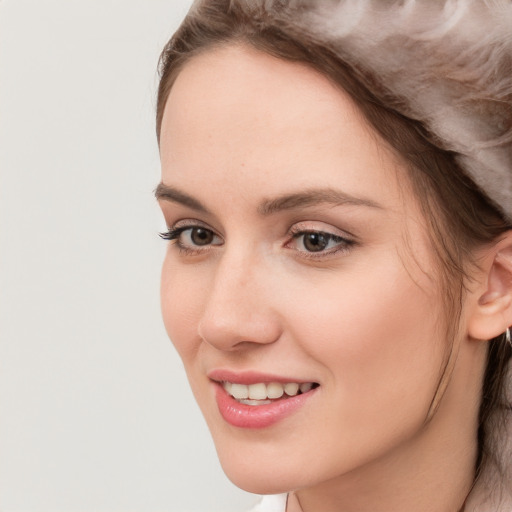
x=271 y=503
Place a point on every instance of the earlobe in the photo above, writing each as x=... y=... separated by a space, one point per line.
x=492 y=314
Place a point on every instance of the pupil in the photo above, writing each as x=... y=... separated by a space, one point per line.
x=201 y=236
x=315 y=242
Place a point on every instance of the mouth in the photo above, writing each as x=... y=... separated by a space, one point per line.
x=262 y=393
x=253 y=400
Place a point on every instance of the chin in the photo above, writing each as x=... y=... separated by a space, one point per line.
x=252 y=470
x=265 y=469
x=266 y=479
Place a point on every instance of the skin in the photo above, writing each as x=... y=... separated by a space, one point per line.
x=362 y=318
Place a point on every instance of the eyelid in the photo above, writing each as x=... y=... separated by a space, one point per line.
x=190 y=223
x=320 y=227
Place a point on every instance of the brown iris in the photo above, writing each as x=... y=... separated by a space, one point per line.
x=201 y=236
x=315 y=242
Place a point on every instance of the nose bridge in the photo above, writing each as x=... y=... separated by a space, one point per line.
x=238 y=307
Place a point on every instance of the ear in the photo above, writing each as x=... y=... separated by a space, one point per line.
x=491 y=314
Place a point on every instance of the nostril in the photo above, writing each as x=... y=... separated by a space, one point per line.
x=239 y=331
x=238 y=311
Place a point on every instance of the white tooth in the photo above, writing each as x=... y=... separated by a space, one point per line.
x=255 y=402
x=239 y=391
x=227 y=387
x=258 y=391
x=275 y=390
x=291 y=389
x=305 y=387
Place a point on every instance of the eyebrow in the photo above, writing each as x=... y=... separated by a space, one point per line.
x=313 y=197
x=167 y=193
x=307 y=198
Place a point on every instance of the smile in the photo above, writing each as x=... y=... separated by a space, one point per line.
x=256 y=404
x=262 y=393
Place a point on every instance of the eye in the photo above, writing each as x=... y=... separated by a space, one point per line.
x=192 y=238
x=198 y=236
x=316 y=241
x=312 y=242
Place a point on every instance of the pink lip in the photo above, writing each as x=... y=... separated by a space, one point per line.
x=250 y=377
x=257 y=416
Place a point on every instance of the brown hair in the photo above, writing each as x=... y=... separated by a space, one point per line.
x=460 y=215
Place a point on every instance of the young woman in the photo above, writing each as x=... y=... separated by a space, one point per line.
x=336 y=181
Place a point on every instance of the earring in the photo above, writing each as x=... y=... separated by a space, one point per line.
x=507 y=336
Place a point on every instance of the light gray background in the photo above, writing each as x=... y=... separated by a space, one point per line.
x=96 y=414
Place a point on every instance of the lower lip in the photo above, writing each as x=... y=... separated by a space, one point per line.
x=257 y=416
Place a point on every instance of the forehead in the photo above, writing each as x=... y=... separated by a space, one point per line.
x=236 y=115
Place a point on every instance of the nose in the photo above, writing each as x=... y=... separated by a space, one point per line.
x=239 y=310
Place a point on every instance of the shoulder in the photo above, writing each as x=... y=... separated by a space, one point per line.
x=271 y=503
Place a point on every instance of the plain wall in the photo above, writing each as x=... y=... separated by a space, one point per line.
x=96 y=414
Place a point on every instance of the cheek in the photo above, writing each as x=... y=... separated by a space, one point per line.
x=378 y=337
x=181 y=296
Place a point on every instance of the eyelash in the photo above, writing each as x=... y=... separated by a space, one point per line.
x=174 y=233
x=342 y=244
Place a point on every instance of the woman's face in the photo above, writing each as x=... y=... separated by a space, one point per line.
x=298 y=260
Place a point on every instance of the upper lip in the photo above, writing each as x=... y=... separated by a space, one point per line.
x=250 y=377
